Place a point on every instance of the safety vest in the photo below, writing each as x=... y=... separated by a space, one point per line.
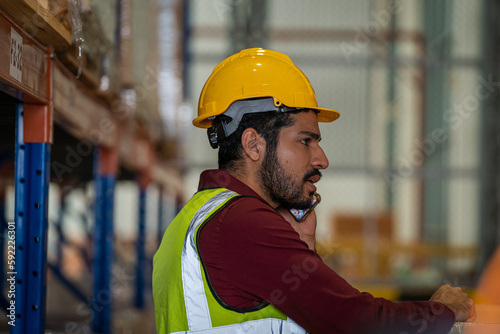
x=183 y=297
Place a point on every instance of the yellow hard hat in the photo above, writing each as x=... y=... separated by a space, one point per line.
x=257 y=73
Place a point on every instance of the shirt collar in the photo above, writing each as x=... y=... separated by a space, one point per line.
x=216 y=178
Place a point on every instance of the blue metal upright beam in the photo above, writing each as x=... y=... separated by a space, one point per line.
x=141 y=253
x=21 y=230
x=103 y=241
x=159 y=231
x=31 y=208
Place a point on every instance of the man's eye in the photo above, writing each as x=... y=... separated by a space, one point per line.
x=305 y=141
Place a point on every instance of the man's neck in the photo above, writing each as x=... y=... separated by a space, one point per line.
x=251 y=179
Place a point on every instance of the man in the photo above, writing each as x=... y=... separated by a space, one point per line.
x=234 y=260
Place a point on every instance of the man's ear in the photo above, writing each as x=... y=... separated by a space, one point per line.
x=253 y=144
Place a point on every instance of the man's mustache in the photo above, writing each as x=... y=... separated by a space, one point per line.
x=312 y=173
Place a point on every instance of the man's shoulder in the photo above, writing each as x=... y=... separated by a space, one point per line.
x=250 y=204
x=243 y=217
x=252 y=213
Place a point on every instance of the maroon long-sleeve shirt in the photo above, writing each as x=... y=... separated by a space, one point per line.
x=253 y=255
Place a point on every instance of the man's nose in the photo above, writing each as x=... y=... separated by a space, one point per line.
x=320 y=161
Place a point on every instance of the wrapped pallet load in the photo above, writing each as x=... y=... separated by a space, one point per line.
x=92 y=54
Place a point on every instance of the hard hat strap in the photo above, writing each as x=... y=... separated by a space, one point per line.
x=223 y=126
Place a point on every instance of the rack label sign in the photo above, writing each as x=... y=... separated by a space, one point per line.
x=16 y=55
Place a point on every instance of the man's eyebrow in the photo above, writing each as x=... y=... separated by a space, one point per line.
x=313 y=135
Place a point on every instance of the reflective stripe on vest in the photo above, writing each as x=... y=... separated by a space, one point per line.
x=261 y=326
x=195 y=295
x=197 y=311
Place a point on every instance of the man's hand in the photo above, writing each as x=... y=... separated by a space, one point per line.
x=305 y=229
x=457 y=300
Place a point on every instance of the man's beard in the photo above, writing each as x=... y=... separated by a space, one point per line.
x=280 y=186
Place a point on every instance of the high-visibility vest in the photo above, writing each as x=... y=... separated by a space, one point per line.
x=183 y=298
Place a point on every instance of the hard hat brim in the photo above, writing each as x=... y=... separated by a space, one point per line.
x=324 y=116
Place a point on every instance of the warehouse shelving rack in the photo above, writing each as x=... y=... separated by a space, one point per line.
x=46 y=93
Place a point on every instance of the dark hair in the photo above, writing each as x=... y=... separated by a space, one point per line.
x=267 y=124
